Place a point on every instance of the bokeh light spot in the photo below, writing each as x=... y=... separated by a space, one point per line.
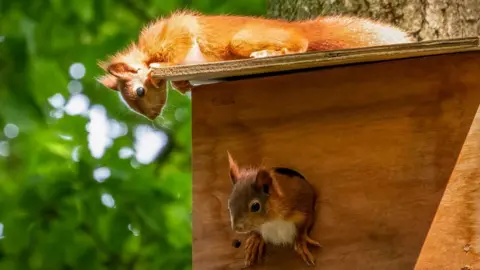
x=108 y=200
x=77 y=71
x=10 y=130
x=101 y=174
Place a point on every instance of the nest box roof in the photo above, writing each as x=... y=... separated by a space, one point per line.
x=275 y=64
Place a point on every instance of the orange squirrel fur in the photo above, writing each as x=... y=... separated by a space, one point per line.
x=272 y=205
x=189 y=37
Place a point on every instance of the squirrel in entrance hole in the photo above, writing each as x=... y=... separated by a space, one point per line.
x=189 y=37
x=274 y=206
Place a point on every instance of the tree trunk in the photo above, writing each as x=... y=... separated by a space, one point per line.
x=424 y=19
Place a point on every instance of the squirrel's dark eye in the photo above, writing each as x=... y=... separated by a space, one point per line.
x=140 y=91
x=255 y=207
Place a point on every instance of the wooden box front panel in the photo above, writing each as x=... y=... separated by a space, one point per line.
x=378 y=142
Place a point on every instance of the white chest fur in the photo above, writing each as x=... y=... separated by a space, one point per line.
x=194 y=55
x=279 y=232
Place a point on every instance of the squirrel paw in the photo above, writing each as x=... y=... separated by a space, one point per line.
x=151 y=67
x=182 y=86
x=150 y=78
x=254 y=249
x=155 y=65
x=267 y=53
x=301 y=247
x=312 y=242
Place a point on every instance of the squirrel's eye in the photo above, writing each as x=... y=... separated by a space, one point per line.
x=255 y=207
x=140 y=91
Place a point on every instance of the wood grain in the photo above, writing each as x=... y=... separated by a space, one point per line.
x=235 y=68
x=378 y=141
x=454 y=237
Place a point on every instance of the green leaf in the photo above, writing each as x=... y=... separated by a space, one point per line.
x=53 y=78
x=50 y=202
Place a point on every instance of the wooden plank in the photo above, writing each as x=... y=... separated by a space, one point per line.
x=454 y=237
x=234 y=68
x=378 y=142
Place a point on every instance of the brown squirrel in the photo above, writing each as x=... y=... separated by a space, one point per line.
x=274 y=206
x=189 y=37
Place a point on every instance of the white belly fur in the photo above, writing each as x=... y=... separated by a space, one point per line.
x=279 y=232
x=194 y=55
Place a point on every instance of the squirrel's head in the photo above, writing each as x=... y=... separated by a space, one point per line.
x=248 y=202
x=128 y=74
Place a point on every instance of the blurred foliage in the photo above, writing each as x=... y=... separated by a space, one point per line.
x=61 y=205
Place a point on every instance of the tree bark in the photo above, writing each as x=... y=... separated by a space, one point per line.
x=424 y=19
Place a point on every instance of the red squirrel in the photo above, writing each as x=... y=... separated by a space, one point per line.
x=189 y=37
x=274 y=205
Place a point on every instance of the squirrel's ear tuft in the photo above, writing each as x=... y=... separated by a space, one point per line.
x=263 y=181
x=121 y=70
x=234 y=171
x=109 y=81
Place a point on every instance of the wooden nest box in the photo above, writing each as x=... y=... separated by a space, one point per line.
x=389 y=137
